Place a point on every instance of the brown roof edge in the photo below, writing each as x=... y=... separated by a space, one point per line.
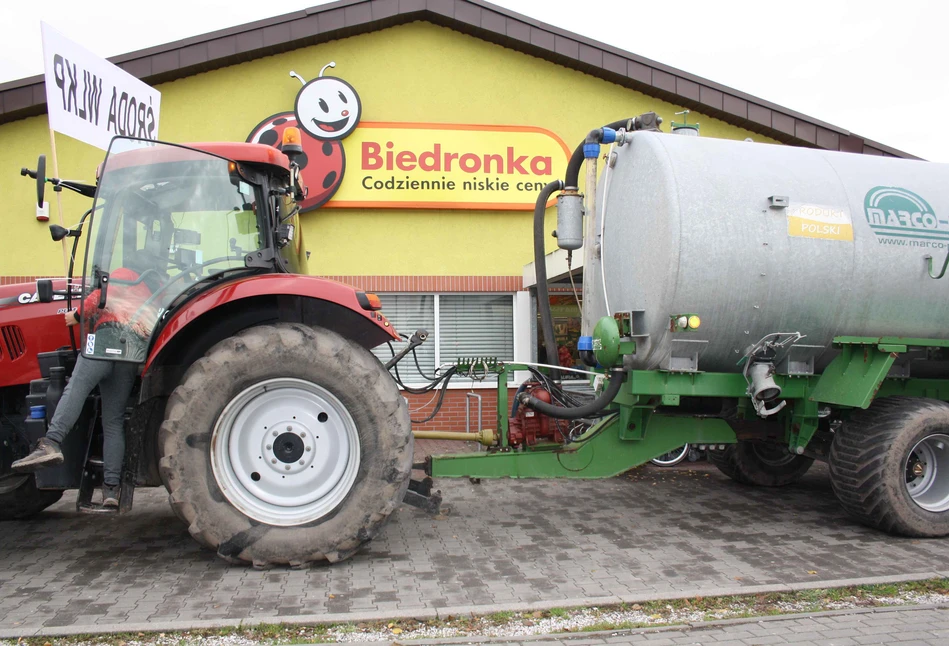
x=26 y=97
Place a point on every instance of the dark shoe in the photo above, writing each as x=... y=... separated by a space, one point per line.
x=110 y=496
x=46 y=454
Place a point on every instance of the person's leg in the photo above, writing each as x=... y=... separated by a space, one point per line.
x=115 y=389
x=86 y=375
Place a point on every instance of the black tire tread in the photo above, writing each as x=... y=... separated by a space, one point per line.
x=280 y=339
x=740 y=463
x=26 y=500
x=860 y=455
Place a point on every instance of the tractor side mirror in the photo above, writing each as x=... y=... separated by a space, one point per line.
x=40 y=176
x=40 y=180
x=44 y=290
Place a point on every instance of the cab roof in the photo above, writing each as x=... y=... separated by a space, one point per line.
x=242 y=152
x=239 y=152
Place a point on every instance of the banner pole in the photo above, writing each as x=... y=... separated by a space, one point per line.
x=59 y=200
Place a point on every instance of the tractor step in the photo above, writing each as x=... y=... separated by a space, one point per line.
x=420 y=495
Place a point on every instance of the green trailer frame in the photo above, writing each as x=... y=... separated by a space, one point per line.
x=636 y=432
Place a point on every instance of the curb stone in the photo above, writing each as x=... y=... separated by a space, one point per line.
x=356 y=617
x=686 y=627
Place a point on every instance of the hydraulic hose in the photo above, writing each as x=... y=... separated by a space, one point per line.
x=559 y=412
x=540 y=269
x=572 y=178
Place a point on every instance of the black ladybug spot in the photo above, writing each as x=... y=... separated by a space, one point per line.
x=330 y=179
x=280 y=121
x=302 y=160
x=269 y=137
x=327 y=148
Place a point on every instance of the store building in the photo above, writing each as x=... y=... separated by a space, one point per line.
x=457 y=112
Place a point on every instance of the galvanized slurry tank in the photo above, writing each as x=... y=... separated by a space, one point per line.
x=699 y=226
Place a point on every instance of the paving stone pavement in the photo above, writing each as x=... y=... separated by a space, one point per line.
x=654 y=533
x=922 y=626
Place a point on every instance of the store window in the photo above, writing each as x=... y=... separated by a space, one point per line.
x=565 y=311
x=460 y=325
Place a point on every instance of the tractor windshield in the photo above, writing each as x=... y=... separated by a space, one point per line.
x=170 y=217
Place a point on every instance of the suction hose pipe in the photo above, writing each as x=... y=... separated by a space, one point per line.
x=540 y=270
x=617 y=377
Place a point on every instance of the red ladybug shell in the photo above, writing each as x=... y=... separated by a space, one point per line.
x=321 y=165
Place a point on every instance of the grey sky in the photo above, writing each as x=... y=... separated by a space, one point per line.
x=875 y=68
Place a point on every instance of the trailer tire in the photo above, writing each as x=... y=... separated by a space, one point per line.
x=760 y=464
x=26 y=500
x=872 y=466
x=286 y=401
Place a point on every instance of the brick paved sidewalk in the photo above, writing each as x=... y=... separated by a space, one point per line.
x=507 y=545
x=904 y=626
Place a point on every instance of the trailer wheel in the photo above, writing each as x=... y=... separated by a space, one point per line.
x=286 y=444
x=760 y=464
x=889 y=466
x=20 y=499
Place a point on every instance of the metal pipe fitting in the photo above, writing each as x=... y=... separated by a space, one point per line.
x=763 y=387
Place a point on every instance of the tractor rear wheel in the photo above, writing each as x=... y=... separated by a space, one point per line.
x=889 y=466
x=20 y=499
x=286 y=444
x=760 y=464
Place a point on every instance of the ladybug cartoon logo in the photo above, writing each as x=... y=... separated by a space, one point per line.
x=327 y=109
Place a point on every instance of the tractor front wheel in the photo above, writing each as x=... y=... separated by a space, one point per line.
x=760 y=464
x=286 y=444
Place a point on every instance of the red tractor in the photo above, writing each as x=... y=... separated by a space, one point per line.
x=279 y=437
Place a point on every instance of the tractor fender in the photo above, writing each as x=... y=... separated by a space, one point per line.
x=269 y=298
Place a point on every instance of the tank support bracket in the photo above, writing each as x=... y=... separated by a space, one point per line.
x=854 y=376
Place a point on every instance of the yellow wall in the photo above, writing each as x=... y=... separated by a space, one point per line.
x=414 y=72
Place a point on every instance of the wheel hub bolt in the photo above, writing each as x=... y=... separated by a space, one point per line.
x=269 y=447
x=275 y=433
x=308 y=448
x=303 y=434
x=273 y=461
x=302 y=462
x=289 y=428
x=287 y=467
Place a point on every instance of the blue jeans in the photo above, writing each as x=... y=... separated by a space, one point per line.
x=115 y=380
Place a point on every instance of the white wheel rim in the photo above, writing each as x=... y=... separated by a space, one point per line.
x=285 y=452
x=927 y=473
x=674 y=457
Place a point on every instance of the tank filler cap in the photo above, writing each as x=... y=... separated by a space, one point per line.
x=585 y=343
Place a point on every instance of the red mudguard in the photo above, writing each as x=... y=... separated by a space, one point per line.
x=268 y=285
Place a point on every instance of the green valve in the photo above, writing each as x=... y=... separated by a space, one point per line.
x=606 y=342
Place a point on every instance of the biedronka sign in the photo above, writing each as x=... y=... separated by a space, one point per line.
x=410 y=165
x=90 y=99
x=446 y=166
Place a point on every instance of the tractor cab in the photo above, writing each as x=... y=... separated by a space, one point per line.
x=169 y=221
